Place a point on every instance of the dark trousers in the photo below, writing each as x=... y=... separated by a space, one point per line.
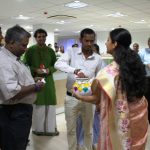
x=147 y=95
x=15 y=124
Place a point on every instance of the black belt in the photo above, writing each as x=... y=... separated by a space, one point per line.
x=69 y=93
x=15 y=105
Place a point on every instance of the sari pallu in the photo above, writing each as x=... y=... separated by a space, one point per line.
x=124 y=126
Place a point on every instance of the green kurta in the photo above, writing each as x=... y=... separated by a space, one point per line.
x=35 y=56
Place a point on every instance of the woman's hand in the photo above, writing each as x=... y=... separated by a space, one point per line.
x=76 y=95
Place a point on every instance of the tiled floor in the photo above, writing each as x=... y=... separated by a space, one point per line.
x=57 y=142
x=49 y=142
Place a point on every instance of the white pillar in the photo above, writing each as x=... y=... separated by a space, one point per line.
x=50 y=39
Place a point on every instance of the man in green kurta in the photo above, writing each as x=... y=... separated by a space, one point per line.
x=41 y=59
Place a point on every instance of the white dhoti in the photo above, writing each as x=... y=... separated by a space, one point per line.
x=44 y=118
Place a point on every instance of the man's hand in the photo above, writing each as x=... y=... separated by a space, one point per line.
x=80 y=74
x=42 y=71
x=48 y=71
x=39 y=85
x=36 y=79
x=76 y=71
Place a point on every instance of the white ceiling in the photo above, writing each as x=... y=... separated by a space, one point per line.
x=94 y=14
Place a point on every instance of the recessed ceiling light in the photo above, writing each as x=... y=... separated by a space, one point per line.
x=76 y=4
x=61 y=22
x=31 y=32
x=28 y=27
x=22 y=17
x=117 y=14
x=76 y=31
x=56 y=29
x=140 y=22
x=90 y=26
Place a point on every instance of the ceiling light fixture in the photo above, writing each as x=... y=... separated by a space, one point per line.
x=76 y=4
x=28 y=27
x=117 y=14
x=31 y=32
x=22 y=17
x=90 y=26
x=140 y=22
x=61 y=22
x=61 y=19
x=76 y=31
x=56 y=29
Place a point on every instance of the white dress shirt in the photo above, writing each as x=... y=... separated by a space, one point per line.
x=13 y=75
x=75 y=59
x=145 y=57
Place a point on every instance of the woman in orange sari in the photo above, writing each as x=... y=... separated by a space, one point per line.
x=119 y=91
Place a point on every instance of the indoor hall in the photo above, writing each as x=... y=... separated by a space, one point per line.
x=63 y=20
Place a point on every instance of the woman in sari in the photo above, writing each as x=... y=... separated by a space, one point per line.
x=119 y=90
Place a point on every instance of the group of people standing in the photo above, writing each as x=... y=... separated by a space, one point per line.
x=26 y=89
x=118 y=91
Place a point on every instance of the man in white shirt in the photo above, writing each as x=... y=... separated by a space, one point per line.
x=145 y=57
x=17 y=91
x=79 y=62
